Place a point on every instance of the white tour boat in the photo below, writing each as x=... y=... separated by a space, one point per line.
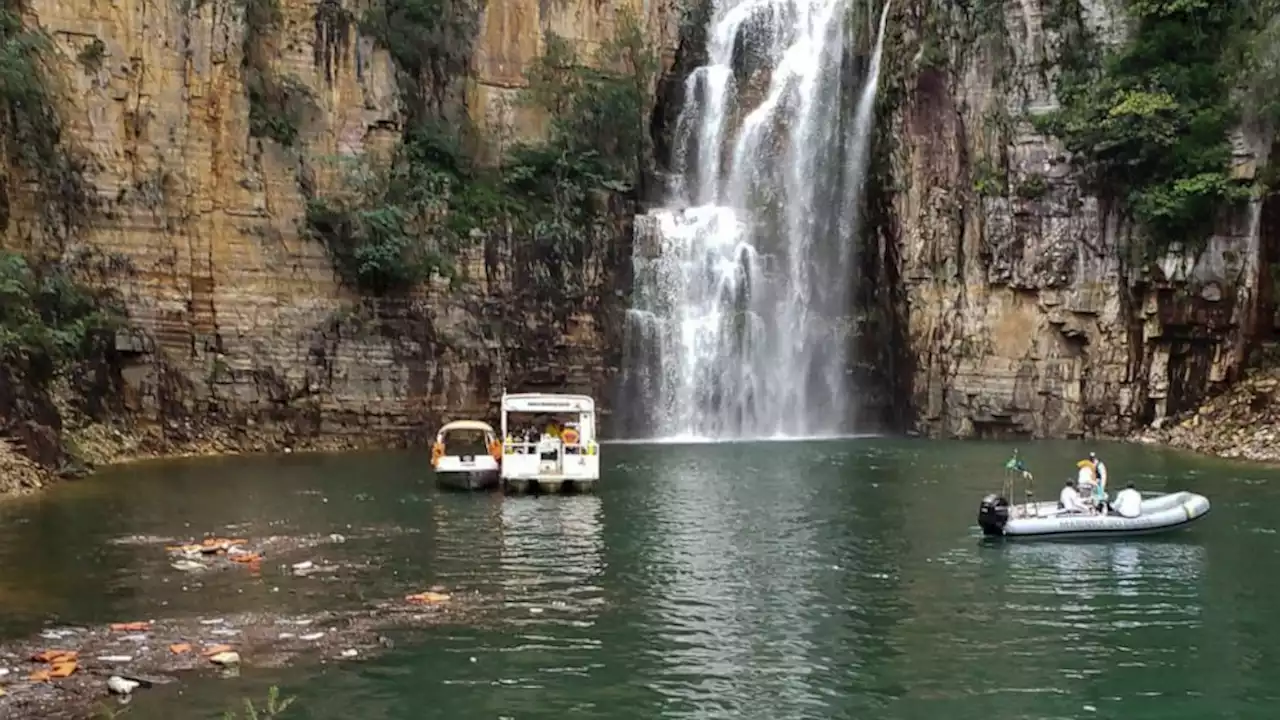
x=549 y=443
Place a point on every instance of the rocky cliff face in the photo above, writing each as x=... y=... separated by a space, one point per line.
x=199 y=132
x=194 y=140
x=1032 y=303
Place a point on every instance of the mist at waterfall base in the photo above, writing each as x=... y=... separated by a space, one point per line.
x=741 y=318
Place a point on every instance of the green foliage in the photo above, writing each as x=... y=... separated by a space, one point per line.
x=1032 y=187
x=598 y=110
x=27 y=117
x=47 y=319
x=1148 y=124
x=92 y=54
x=385 y=233
x=988 y=181
x=29 y=121
x=598 y=144
x=274 y=708
x=277 y=105
x=1257 y=60
x=399 y=222
x=430 y=41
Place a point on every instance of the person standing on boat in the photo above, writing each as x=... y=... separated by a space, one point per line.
x=1100 y=477
x=1086 y=477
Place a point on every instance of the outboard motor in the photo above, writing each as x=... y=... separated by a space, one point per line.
x=993 y=513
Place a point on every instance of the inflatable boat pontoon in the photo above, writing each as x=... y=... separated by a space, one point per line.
x=1161 y=512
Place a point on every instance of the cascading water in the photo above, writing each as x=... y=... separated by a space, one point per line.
x=741 y=307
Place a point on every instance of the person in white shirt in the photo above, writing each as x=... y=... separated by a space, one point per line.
x=1128 y=502
x=1070 y=501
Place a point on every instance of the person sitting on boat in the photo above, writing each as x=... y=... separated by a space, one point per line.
x=1069 y=500
x=1128 y=502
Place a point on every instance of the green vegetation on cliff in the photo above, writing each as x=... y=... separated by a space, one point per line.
x=48 y=319
x=30 y=129
x=57 y=343
x=1148 y=122
x=404 y=219
x=28 y=125
x=277 y=104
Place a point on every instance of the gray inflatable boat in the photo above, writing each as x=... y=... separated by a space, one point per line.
x=1161 y=512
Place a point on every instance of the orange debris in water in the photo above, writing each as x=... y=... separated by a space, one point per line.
x=247 y=558
x=426 y=598
x=61 y=664
x=210 y=543
x=131 y=626
x=180 y=648
x=54 y=656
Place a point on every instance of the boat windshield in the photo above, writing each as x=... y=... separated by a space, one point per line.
x=465 y=442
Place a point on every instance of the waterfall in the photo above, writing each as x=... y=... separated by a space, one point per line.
x=740 y=314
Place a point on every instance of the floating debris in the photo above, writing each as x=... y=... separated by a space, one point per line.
x=121 y=686
x=426 y=598
x=170 y=646
x=62 y=663
x=227 y=657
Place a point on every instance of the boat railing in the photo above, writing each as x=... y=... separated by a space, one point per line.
x=512 y=447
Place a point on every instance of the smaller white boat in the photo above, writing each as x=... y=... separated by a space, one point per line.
x=1156 y=513
x=1160 y=512
x=467 y=455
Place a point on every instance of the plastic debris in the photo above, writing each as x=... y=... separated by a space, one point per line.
x=121 y=686
x=230 y=657
x=427 y=598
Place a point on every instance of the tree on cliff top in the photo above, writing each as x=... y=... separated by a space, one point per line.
x=389 y=232
x=1149 y=124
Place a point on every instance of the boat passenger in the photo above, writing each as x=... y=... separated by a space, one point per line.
x=1069 y=500
x=1128 y=502
x=1085 y=477
x=1099 y=471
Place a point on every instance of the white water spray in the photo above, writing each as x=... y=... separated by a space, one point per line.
x=740 y=321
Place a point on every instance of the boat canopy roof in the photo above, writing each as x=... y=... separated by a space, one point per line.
x=547 y=403
x=467 y=425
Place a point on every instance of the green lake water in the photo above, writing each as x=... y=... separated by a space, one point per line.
x=769 y=581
